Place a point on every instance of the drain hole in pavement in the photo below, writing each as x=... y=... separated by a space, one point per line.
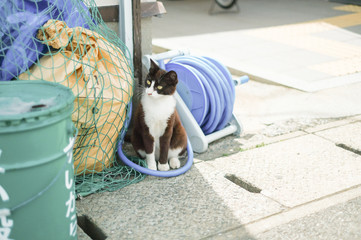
x=341 y=145
x=243 y=183
x=90 y=228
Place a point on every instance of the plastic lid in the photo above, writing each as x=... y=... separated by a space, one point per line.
x=24 y=102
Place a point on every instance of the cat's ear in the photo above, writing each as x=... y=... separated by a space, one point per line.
x=153 y=67
x=171 y=77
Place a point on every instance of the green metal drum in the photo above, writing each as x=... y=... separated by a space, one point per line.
x=37 y=199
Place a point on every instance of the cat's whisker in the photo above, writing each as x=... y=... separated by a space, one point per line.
x=139 y=91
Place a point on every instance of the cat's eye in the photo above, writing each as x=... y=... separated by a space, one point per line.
x=159 y=87
x=148 y=82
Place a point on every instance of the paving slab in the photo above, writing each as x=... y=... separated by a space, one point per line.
x=295 y=171
x=246 y=206
x=220 y=148
x=232 y=144
x=329 y=125
x=250 y=141
x=158 y=209
x=357 y=117
x=269 y=227
x=347 y=136
x=342 y=221
x=259 y=105
x=191 y=206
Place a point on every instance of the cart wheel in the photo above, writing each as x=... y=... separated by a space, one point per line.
x=226 y=3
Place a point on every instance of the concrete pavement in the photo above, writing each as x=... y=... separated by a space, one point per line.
x=305 y=184
x=293 y=174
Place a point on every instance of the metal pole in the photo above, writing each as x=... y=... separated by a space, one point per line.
x=126 y=24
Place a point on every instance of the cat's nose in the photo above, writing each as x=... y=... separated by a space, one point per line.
x=149 y=92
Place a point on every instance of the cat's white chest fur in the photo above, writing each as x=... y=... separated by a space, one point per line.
x=157 y=111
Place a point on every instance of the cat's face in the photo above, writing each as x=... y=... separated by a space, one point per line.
x=159 y=82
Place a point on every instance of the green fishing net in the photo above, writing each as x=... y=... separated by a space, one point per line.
x=66 y=41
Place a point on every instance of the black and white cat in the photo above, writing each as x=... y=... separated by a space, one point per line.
x=158 y=134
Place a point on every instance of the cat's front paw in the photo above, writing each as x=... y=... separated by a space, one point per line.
x=174 y=163
x=152 y=166
x=163 y=167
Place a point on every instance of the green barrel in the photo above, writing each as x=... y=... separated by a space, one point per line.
x=37 y=198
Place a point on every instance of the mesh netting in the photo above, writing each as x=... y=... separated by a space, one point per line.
x=66 y=41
